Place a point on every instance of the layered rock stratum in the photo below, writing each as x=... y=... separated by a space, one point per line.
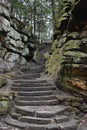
x=16 y=43
x=68 y=55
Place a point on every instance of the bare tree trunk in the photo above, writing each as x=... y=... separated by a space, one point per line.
x=34 y=18
x=53 y=15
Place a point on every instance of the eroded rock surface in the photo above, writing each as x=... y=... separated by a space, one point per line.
x=15 y=39
x=69 y=50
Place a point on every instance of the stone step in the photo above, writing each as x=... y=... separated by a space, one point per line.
x=37 y=66
x=15 y=115
x=35 y=120
x=32 y=88
x=27 y=76
x=70 y=125
x=41 y=111
x=32 y=98
x=36 y=103
x=32 y=70
x=49 y=113
x=35 y=93
x=25 y=111
x=47 y=127
x=29 y=119
x=52 y=127
x=16 y=123
x=31 y=84
x=61 y=119
x=29 y=81
x=31 y=65
x=27 y=126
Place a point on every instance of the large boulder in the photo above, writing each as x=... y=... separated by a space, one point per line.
x=14 y=59
x=68 y=54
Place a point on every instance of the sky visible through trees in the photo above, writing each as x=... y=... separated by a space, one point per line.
x=40 y=14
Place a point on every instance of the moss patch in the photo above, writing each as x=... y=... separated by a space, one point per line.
x=54 y=45
x=53 y=63
x=4 y=107
x=4 y=102
x=3 y=81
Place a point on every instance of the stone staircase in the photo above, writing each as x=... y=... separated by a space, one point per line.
x=35 y=106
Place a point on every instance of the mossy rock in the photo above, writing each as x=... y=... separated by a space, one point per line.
x=4 y=102
x=60 y=98
x=8 y=75
x=73 y=35
x=73 y=110
x=53 y=64
x=76 y=104
x=4 y=94
x=3 y=81
x=4 y=107
x=75 y=54
x=36 y=56
x=68 y=103
x=54 y=45
x=2 y=98
x=46 y=55
x=71 y=44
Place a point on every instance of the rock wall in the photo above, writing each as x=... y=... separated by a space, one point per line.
x=16 y=45
x=68 y=54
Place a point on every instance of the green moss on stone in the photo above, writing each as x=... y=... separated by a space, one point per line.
x=76 y=104
x=60 y=98
x=54 y=45
x=53 y=64
x=3 y=81
x=71 y=44
x=68 y=103
x=4 y=107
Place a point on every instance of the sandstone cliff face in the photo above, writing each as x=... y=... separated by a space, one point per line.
x=69 y=50
x=15 y=37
